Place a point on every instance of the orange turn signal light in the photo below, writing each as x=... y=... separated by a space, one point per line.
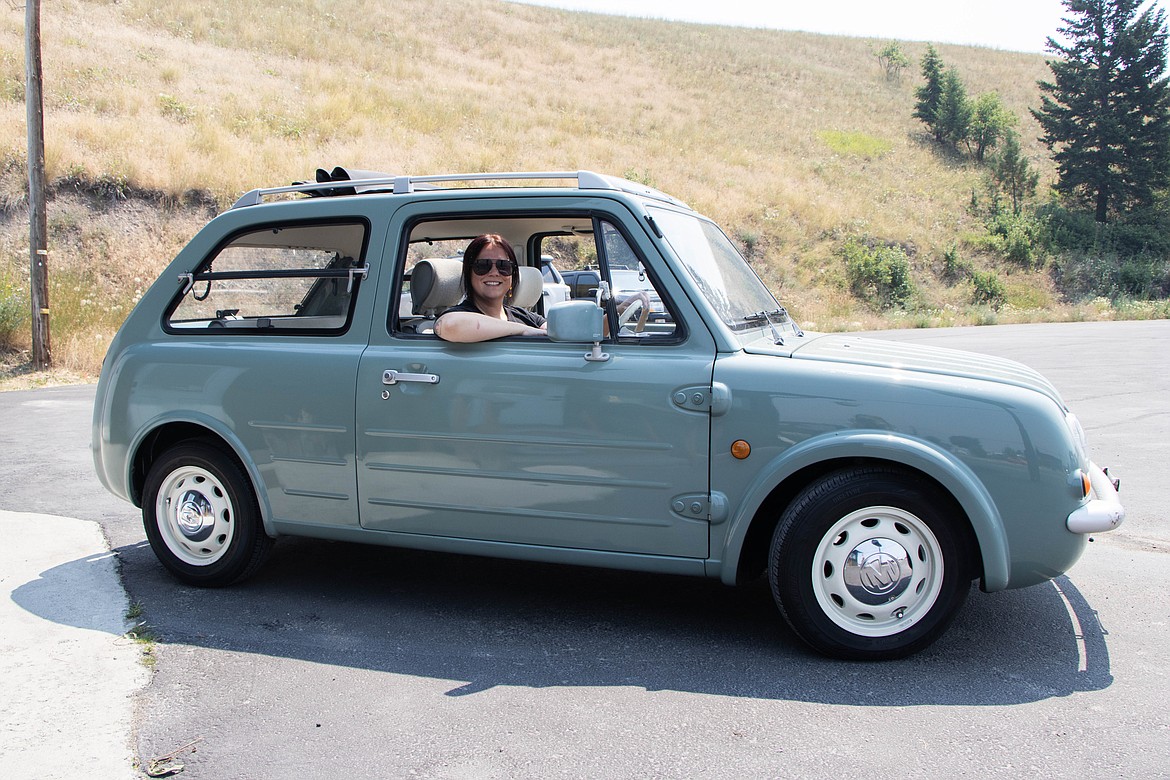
x=740 y=449
x=1086 y=482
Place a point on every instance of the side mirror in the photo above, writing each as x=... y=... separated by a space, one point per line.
x=576 y=321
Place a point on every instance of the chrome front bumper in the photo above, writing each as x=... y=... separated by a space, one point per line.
x=1104 y=511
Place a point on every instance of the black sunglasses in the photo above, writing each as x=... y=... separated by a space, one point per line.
x=481 y=266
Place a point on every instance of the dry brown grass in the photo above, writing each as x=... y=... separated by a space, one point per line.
x=223 y=97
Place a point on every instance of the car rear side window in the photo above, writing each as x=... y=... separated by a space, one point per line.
x=281 y=279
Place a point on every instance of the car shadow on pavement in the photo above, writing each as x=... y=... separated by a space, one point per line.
x=482 y=623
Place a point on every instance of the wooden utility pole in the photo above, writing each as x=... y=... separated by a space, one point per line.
x=38 y=230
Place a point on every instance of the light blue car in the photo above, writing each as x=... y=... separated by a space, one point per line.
x=270 y=383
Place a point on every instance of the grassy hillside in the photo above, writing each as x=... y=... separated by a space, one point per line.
x=793 y=142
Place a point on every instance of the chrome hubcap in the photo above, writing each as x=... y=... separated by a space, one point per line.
x=877 y=571
x=194 y=516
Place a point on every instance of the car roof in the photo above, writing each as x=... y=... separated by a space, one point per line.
x=353 y=182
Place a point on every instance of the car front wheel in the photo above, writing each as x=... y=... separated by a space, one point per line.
x=870 y=564
x=201 y=516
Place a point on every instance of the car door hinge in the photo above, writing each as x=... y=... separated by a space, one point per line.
x=714 y=398
x=711 y=507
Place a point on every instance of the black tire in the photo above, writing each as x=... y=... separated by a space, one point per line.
x=201 y=516
x=870 y=564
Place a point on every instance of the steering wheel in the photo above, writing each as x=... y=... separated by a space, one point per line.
x=637 y=305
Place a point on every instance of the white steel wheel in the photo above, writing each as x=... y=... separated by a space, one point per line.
x=195 y=515
x=877 y=571
x=871 y=563
x=201 y=515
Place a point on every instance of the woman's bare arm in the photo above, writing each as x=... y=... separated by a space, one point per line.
x=467 y=327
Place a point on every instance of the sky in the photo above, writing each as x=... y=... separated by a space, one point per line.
x=1011 y=25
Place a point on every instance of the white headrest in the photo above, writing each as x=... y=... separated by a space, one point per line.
x=527 y=287
x=435 y=285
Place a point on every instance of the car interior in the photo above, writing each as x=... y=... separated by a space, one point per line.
x=431 y=276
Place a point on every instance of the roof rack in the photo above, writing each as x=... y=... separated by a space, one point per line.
x=399 y=185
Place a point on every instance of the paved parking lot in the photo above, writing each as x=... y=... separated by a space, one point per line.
x=343 y=660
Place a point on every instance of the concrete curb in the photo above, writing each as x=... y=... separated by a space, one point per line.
x=68 y=674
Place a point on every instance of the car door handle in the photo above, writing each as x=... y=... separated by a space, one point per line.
x=392 y=377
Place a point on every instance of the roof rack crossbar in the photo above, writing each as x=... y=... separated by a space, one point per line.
x=586 y=180
x=253 y=197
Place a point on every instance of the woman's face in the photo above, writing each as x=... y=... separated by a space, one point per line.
x=492 y=287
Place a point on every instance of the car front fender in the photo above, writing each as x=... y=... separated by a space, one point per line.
x=941 y=466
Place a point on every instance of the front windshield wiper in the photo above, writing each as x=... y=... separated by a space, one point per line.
x=771 y=318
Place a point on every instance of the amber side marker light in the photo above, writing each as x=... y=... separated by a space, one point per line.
x=1086 y=483
x=740 y=449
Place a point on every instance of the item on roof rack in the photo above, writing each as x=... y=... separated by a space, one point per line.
x=343 y=174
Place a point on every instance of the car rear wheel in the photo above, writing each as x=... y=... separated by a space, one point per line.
x=870 y=564
x=201 y=516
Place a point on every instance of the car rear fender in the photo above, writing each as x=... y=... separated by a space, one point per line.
x=194 y=425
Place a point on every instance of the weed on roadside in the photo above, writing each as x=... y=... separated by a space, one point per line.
x=142 y=635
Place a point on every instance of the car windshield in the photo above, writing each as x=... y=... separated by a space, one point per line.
x=727 y=282
x=630 y=280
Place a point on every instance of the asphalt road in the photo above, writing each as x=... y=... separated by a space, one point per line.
x=341 y=660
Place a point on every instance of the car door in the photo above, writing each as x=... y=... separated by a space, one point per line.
x=523 y=441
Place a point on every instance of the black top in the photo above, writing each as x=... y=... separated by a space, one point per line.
x=513 y=313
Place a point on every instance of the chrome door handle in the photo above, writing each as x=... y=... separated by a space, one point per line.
x=392 y=377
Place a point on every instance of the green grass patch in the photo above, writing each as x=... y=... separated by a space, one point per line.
x=855 y=144
x=142 y=635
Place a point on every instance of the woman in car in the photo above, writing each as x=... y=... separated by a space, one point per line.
x=489 y=269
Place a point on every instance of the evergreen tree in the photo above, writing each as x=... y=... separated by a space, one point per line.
x=928 y=95
x=1106 y=112
x=1013 y=174
x=954 y=112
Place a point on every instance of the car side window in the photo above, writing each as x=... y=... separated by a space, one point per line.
x=299 y=279
x=574 y=252
x=643 y=312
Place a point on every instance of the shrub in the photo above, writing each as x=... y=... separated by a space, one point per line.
x=14 y=314
x=987 y=289
x=954 y=266
x=892 y=60
x=748 y=240
x=1085 y=274
x=1075 y=231
x=1019 y=236
x=173 y=108
x=878 y=275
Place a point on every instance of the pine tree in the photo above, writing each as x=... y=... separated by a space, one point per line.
x=928 y=95
x=954 y=112
x=1106 y=112
x=1013 y=174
